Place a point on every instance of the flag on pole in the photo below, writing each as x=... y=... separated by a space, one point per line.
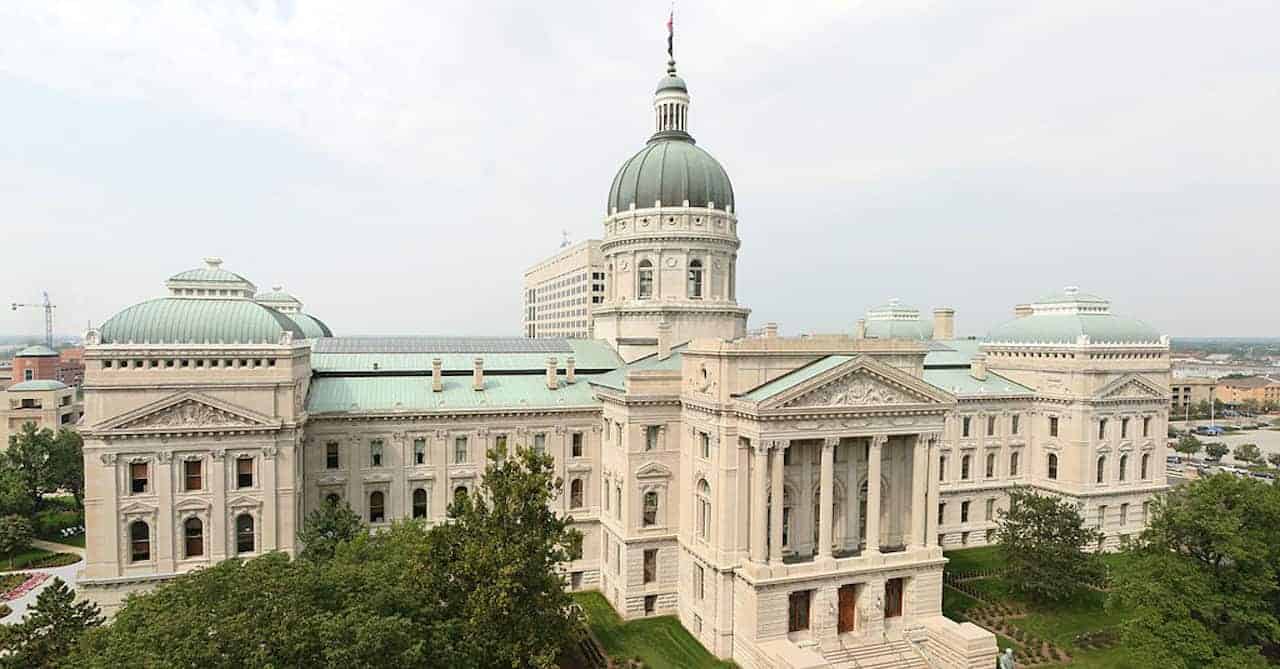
x=671 y=34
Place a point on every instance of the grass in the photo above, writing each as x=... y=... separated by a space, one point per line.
x=11 y=581
x=76 y=540
x=661 y=642
x=37 y=558
x=974 y=559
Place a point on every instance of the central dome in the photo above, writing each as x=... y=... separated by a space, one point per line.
x=670 y=169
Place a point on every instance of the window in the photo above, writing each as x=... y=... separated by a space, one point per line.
x=942 y=513
x=1053 y=466
x=964 y=429
x=244 y=472
x=1145 y=465
x=1013 y=464
x=1146 y=512
x=139 y=542
x=331 y=455
x=650 y=508
x=704 y=509
x=704 y=445
x=645 y=284
x=991 y=509
x=964 y=512
x=1102 y=468
x=419 y=503
x=459 y=493
x=650 y=565
x=576 y=440
x=540 y=442
x=964 y=467
x=695 y=279
x=1053 y=426
x=332 y=498
x=798 y=610
x=651 y=438
x=420 y=451
x=991 y=425
x=500 y=443
x=375 y=453
x=192 y=480
x=893 y=597
x=1146 y=426
x=244 y=533
x=1124 y=466
x=575 y=580
x=193 y=538
x=376 y=512
x=942 y=468
x=847 y=607
x=138 y=478
x=459 y=450
x=1102 y=428
x=991 y=465
x=699 y=583
x=1124 y=428
x=606 y=495
x=1102 y=516
x=1013 y=424
x=1124 y=514
x=575 y=494
x=617 y=500
x=650 y=604
x=28 y=375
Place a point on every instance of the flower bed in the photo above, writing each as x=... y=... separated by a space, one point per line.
x=33 y=580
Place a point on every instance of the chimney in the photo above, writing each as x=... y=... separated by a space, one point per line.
x=770 y=330
x=570 y=375
x=944 y=323
x=664 y=340
x=860 y=329
x=978 y=367
x=437 y=384
x=1022 y=310
x=477 y=378
x=552 y=384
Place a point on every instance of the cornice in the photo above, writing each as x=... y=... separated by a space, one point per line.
x=347 y=416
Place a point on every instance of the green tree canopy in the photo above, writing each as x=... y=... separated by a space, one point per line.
x=1274 y=459
x=326 y=527
x=1187 y=445
x=28 y=454
x=51 y=629
x=1216 y=450
x=1041 y=541
x=15 y=536
x=1248 y=453
x=1203 y=583
x=65 y=465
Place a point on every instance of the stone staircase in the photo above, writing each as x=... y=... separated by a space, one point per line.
x=887 y=655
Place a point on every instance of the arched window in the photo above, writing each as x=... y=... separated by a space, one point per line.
x=193 y=538
x=1145 y=463
x=695 y=279
x=139 y=542
x=703 y=508
x=376 y=512
x=332 y=498
x=419 y=503
x=575 y=494
x=459 y=493
x=1013 y=464
x=645 y=283
x=650 y=508
x=1102 y=468
x=991 y=465
x=964 y=468
x=1053 y=466
x=244 y=533
x=1124 y=465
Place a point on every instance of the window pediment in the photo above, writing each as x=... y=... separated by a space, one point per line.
x=653 y=470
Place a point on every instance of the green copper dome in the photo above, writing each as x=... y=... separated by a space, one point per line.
x=671 y=83
x=172 y=320
x=1067 y=328
x=670 y=169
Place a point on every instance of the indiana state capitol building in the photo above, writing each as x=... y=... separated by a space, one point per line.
x=788 y=498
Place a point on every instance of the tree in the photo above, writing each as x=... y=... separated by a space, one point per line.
x=15 y=536
x=1215 y=450
x=1274 y=459
x=326 y=527
x=15 y=499
x=65 y=466
x=28 y=454
x=1248 y=453
x=1187 y=445
x=1041 y=541
x=51 y=629
x=1202 y=584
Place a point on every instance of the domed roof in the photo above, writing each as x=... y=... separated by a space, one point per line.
x=173 y=320
x=39 y=384
x=671 y=82
x=670 y=169
x=1062 y=318
x=211 y=272
x=312 y=327
x=896 y=320
x=36 y=351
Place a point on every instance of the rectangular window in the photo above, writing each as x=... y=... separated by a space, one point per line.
x=576 y=444
x=1124 y=428
x=331 y=455
x=964 y=430
x=540 y=442
x=459 y=450
x=375 y=453
x=1102 y=516
x=1102 y=428
x=991 y=425
x=191 y=475
x=420 y=451
x=650 y=604
x=798 y=610
x=991 y=509
x=942 y=468
x=651 y=438
x=964 y=512
x=138 y=478
x=617 y=558
x=893 y=589
x=942 y=513
x=1146 y=426
x=650 y=565
x=1013 y=424
x=1053 y=426
x=698 y=583
x=244 y=472
x=1124 y=514
x=575 y=580
x=500 y=442
x=704 y=445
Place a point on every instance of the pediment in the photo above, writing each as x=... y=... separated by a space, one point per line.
x=187 y=412
x=243 y=502
x=861 y=382
x=653 y=470
x=192 y=504
x=1132 y=386
x=137 y=509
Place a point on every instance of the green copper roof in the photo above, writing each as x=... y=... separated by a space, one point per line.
x=38 y=385
x=208 y=274
x=587 y=355
x=900 y=329
x=794 y=378
x=1066 y=328
x=617 y=379
x=960 y=382
x=671 y=82
x=173 y=320
x=1068 y=295
x=346 y=394
x=312 y=327
x=670 y=169
x=36 y=351
x=953 y=353
x=276 y=297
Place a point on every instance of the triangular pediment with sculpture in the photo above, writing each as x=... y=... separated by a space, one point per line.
x=861 y=382
x=1132 y=386
x=186 y=412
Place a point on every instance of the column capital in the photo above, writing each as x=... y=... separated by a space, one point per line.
x=879 y=440
x=831 y=442
x=932 y=439
x=777 y=444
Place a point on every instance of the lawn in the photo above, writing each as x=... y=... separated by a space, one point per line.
x=660 y=642
x=74 y=540
x=36 y=558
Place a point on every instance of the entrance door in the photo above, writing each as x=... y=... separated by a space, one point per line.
x=848 y=596
x=893 y=598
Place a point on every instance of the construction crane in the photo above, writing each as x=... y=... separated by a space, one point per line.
x=48 y=317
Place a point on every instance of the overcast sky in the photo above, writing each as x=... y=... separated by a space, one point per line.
x=398 y=165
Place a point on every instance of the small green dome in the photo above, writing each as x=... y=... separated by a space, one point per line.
x=1067 y=328
x=36 y=351
x=671 y=82
x=312 y=327
x=900 y=329
x=172 y=320
x=670 y=169
x=42 y=384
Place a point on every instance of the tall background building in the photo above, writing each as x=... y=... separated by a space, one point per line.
x=560 y=292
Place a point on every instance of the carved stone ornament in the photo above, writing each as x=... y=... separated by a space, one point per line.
x=218 y=453
x=109 y=459
x=623 y=265
x=1133 y=389
x=189 y=413
x=671 y=262
x=853 y=390
x=163 y=457
x=270 y=451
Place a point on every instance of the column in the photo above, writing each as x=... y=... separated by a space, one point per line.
x=826 y=496
x=759 y=499
x=919 y=491
x=873 y=494
x=218 y=516
x=775 y=508
x=853 y=501
x=162 y=478
x=270 y=539
x=931 y=504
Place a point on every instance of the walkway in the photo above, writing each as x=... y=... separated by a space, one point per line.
x=67 y=573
